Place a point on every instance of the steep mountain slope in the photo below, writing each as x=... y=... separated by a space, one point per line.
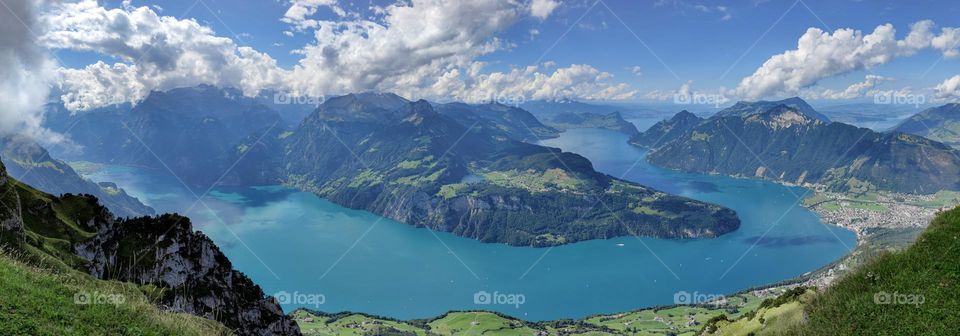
x=192 y=131
x=612 y=121
x=408 y=162
x=785 y=144
x=37 y=299
x=509 y=121
x=186 y=271
x=940 y=123
x=910 y=292
x=666 y=130
x=33 y=165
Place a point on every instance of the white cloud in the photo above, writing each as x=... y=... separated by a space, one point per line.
x=396 y=51
x=541 y=9
x=26 y=70
x=948 y=42
x=855 y=90
x=636 y=70
x=949 y=89
x=576 y=81
x=159 y=52
x=821 y=55
x=687 y=95
x=299 y=12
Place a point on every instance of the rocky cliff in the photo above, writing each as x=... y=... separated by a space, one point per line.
x=191 y=273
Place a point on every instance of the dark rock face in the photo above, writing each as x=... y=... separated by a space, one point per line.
x=164 y=251
x=785 y=144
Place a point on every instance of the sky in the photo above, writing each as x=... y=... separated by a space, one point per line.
x=89 y=53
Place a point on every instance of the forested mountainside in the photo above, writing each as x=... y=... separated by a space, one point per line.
x=785 y=144
x=941 y=123
x=406 y=161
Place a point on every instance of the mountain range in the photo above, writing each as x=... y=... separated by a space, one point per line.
x=940 y=123
x=786 y=141
x=465 y=169
x=612 y=121
x=409 y=162
x=189 y=131
x=32 y=164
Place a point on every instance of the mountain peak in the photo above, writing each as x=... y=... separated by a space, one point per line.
x=746 y=109
x=783 y=116
x=684 y=115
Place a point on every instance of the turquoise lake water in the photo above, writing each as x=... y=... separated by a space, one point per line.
x=297 y=243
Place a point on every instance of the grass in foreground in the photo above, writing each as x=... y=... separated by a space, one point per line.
x=910 y=292
x=37 y=300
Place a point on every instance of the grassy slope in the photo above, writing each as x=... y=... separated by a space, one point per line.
x=38 y=300
x=930 y=269
x=640 y=322
x=38 y=279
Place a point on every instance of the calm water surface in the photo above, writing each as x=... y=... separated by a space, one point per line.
x=295 y=242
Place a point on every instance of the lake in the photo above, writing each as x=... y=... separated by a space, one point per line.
x=333 y=259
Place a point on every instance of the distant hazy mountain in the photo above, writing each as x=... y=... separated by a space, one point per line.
x=666 y=130
x=612 y=121
x=879 y=117
x=794 y=146
x=192 y=131
x=744 y=109
x=406 y=161
x=30 y=162
x=547 y=109
x=940 y=123
x=512 y=122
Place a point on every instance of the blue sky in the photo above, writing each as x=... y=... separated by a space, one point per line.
x=631 y=50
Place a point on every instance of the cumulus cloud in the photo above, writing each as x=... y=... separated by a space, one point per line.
x=687 y=95
x=395 y=50
x=949 y=90
x=542 y=8
x=855 y=90
x=160 y=52
x=821 y=54
x=579 y=81
x=27 y=71
x=299 y=12
x=436 y=58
